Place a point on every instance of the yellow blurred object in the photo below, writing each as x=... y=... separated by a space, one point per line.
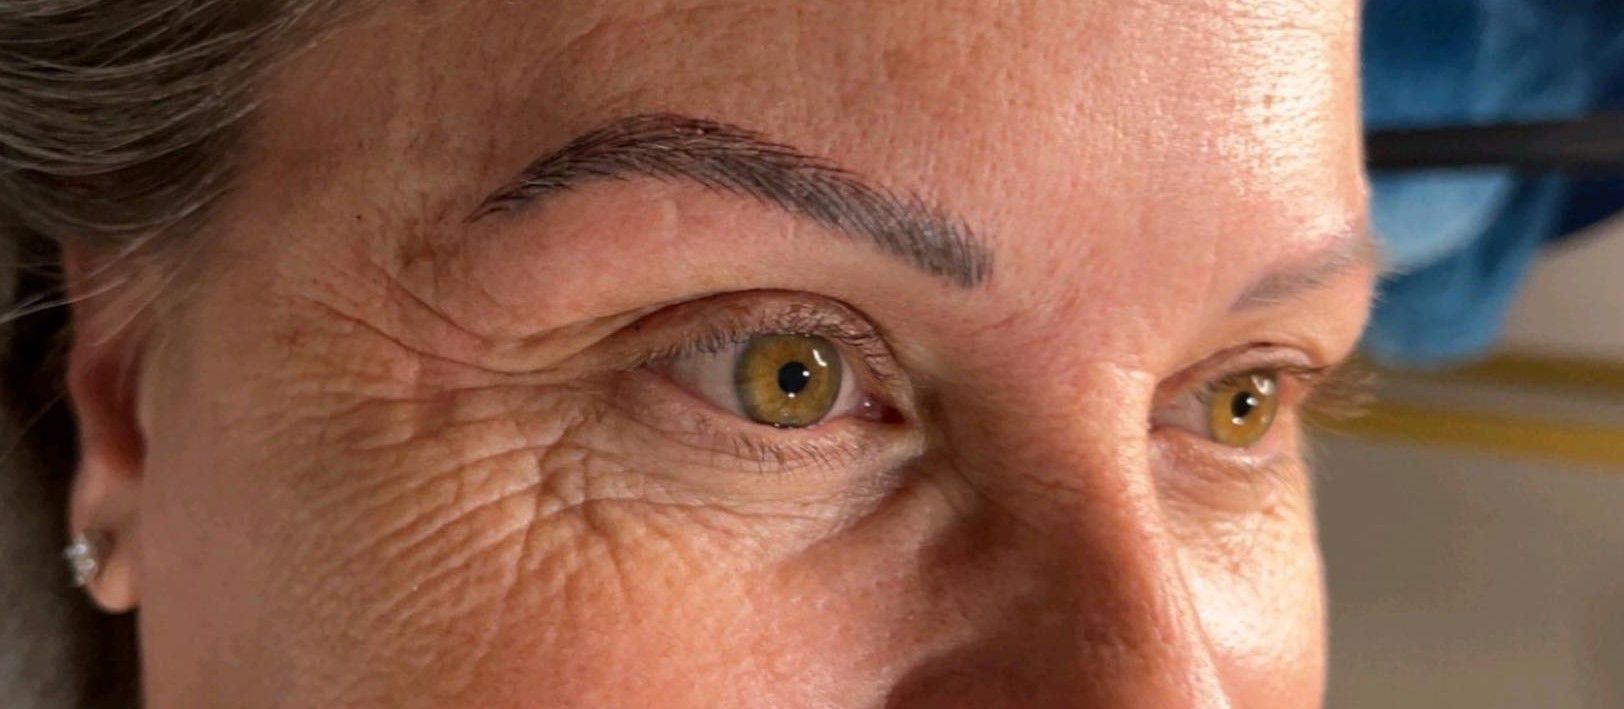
x=1526 y=369
x=1562 y=409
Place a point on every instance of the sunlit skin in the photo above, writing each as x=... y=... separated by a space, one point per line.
x=373 y=452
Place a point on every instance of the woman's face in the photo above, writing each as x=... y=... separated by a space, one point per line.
x=894 y=353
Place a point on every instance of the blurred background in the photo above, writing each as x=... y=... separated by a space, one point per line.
x=1473 y=520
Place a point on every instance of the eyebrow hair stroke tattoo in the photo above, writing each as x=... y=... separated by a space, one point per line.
x=736 y=160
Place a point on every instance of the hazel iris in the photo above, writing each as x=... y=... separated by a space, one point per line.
x=788 y=381
x=1242 y=408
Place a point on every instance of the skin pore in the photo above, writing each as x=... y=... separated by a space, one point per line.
x=383 y=448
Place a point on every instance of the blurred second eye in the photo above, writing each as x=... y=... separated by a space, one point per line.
x=781 y=380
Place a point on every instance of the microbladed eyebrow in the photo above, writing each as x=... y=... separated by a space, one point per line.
x=736 y=160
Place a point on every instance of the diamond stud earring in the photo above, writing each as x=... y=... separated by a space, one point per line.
x=84 y=556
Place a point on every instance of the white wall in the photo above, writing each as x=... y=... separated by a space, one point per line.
x=1574 y=300
x=1463 y=580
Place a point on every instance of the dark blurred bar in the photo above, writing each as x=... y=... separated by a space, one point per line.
x=1594 y=144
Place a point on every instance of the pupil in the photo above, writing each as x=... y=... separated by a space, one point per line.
x=793 y=377
x=1239 y=406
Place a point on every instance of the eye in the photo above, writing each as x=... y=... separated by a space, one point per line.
x=1241 y=408
x=781 y=380
x=1236 y=411
x=790 y=381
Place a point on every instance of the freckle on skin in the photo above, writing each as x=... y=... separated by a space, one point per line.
x=527 y=548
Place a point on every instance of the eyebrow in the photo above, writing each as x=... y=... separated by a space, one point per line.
x=739 y=161
x=1351 y=250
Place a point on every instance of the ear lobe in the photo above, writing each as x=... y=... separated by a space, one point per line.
x=106 y=502
x=103 y=357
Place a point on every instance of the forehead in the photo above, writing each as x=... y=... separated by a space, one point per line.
x=1078 y=137
x=1076 y=80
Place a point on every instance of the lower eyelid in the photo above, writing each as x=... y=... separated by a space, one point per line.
x=1275 y=445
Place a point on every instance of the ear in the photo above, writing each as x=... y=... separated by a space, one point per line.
x=102 y=369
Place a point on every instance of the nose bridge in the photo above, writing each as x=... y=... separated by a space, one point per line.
x=1063 y=449
x=1096 y=611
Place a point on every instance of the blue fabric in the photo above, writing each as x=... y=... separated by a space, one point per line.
x=1458 y=242
x=1596 y=198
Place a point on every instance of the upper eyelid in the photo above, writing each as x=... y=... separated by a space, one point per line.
x=1305 y=375
x=1235 y=361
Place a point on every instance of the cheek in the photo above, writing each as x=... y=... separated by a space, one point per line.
x=1255 y=579
x=541 y=564
x=486 y=544
x=476 y=548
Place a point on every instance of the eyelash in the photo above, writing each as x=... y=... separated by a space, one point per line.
x=1326 y=395
x=1338 y=393
x=849 y=332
